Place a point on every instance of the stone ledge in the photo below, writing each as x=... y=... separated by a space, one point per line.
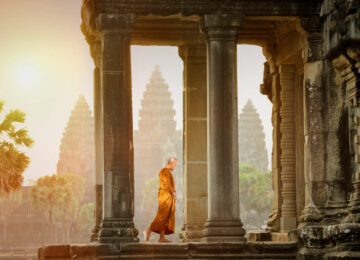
x=225 y=250
x=266 y=236
x=338 y=241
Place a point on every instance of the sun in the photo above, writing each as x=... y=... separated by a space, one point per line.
x=26 y=74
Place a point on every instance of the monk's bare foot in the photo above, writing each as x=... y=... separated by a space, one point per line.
x=146 y=236
x=164 y=240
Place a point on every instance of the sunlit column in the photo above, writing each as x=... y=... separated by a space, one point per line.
x=95 y=49
x=287 y=144
x=223 y=223
x=194 y=140
x=118 y=205
x=273 y=223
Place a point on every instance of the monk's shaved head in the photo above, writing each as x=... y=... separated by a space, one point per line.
x=172 y=159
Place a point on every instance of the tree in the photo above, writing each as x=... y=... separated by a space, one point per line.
x=13 y=161
x=149 y=193
x=8 y=204
x=255 y=193
x=86 y=218
x=55 y=195
x=68 y=216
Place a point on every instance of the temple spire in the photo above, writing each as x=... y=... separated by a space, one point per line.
x=252 y=149
x=77 y=146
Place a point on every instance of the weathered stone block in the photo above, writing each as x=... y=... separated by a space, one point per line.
x=54 y=252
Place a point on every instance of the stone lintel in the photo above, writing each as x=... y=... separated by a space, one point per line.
x=120 y=23
x=188 y=9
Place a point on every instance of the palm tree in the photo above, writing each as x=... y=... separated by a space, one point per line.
x=13 y=161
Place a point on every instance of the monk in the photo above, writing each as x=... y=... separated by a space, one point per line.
x=164 y=222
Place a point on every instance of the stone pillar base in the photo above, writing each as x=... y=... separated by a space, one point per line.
x=114 y=231
x=222 y=230
x=94 y=234
x=191 y=233
x=287 y=223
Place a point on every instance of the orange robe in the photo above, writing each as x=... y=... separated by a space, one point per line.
x=165 y=217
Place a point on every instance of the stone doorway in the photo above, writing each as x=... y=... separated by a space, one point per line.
x=157 y=113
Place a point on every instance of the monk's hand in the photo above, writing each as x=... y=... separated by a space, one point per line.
x=174 y=194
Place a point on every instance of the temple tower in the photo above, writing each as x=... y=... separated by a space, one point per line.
x=77 y=146
x=252 y=149
x=156 y=139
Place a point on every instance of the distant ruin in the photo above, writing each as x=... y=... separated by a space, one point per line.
x=77 y=154
x=252 y=148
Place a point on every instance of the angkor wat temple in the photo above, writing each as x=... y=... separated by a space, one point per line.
x=312 y=79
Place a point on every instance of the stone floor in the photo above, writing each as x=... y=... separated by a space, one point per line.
x=18 y=254
x=226 y=250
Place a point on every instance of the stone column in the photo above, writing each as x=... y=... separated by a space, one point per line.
x=287 y=144
x=273 y=224
x=223 y=223
x=95 y=49
x=314 y=147
x=194 y=140
x=315 y=131
x=118 y=206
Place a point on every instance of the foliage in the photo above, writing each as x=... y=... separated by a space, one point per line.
x=150 y=194
x=255 y=190
x=51 y=192
x=8 y=204
x=77 y=184
x=86 y=216
x=13 y=161
x=59 y=196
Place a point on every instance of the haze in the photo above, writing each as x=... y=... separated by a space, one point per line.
x=45 y=65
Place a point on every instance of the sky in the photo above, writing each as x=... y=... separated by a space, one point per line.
x=45 y=65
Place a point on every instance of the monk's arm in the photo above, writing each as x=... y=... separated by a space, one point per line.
x=172 y=183
x=165 y=179
x=173 y=186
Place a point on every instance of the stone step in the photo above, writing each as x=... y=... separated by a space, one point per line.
x=226 y=250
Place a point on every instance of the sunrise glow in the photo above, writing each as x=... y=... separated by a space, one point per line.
x=26 y=74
